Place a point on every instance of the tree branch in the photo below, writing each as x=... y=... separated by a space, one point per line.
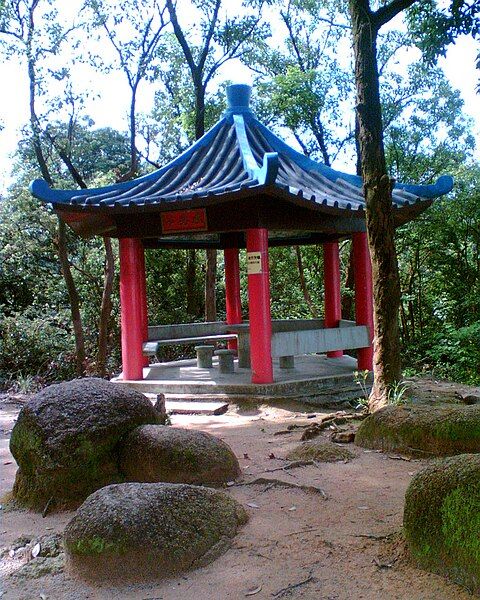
x=386 y=13
x=177 y=30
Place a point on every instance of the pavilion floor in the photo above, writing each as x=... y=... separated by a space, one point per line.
x=315 y=379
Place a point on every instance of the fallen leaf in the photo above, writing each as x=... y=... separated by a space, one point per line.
x=252 y=505
x=293 y=508
x=7 y=462
x=254 y=591
x=36 y=550
x=363 y=507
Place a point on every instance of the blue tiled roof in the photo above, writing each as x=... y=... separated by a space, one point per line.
x=238 y=153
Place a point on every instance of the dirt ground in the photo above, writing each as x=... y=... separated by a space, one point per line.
x=297 y=544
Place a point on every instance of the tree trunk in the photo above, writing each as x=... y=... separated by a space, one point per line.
x=347 y=298
x=190 y=276
x=74 y=299
x=378 y=198
x=210 y=285
x=303 y=283
x=211 y=270
x=106 y=308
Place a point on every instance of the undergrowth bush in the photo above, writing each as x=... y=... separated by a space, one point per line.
x=36 y=345
x=450 y=353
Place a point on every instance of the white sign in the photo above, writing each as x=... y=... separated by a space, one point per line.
x=254 y=263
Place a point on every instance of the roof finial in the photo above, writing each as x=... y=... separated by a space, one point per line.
x=238 y=97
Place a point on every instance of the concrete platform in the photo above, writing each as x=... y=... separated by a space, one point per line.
x=316 y=379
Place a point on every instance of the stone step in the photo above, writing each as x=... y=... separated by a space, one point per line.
x=176 y=407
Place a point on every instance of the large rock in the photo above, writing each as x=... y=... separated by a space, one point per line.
x=422 y=430
x=442 y=518
x=154 y=453
x=65 y=440
x=136 y=531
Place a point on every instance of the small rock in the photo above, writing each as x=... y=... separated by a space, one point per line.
x=470 y=399
x=343 y=437
x=41 y=566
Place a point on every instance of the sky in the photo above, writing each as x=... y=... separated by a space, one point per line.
x=106 y=109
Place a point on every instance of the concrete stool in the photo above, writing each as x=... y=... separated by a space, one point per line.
x=204 y=356
x=225 y=360
x=286 y=362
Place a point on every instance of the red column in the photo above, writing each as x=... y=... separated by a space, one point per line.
x=131 y=251
x=363 y=295
x=232 y=290
x=259 y=306
x=144 y=305
x=333 y=298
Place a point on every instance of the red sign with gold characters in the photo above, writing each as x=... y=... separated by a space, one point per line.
x=176 y=221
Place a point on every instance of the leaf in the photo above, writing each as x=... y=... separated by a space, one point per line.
x=36 y=550
x=254 y=591
x=252 y=505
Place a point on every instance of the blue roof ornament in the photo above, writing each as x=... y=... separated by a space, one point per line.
x=240 y=159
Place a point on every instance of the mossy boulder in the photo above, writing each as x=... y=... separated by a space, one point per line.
x=155 y=453
x=442 y=518
x=321 y=451
x=66 y=438
x=142 y=531
x=422 y=430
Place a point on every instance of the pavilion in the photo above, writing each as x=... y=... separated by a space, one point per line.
x=240 y=186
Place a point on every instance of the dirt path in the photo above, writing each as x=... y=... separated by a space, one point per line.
x=296 y=544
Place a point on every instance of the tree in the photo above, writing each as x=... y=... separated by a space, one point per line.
x=21 y=34
x=366 y=24
x=221 y=39
x=436 y=27
x=301 y=82
x=134 y=29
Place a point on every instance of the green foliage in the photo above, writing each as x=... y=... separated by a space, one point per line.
x=361 y=379
x=397 y=393
x=33 y=344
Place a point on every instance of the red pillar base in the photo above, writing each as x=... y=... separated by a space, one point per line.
x=333 y=298
x=363 y=296
x=259 y=306
x=131 y=252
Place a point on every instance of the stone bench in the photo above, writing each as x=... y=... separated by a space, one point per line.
x=186 y=334
x=151 y=348
x=296 y=337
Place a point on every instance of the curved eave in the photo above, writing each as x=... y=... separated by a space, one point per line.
x=238 y=158
x=41 y=190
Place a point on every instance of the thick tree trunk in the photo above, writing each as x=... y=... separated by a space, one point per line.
x=106 y=308
x=378 y=197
